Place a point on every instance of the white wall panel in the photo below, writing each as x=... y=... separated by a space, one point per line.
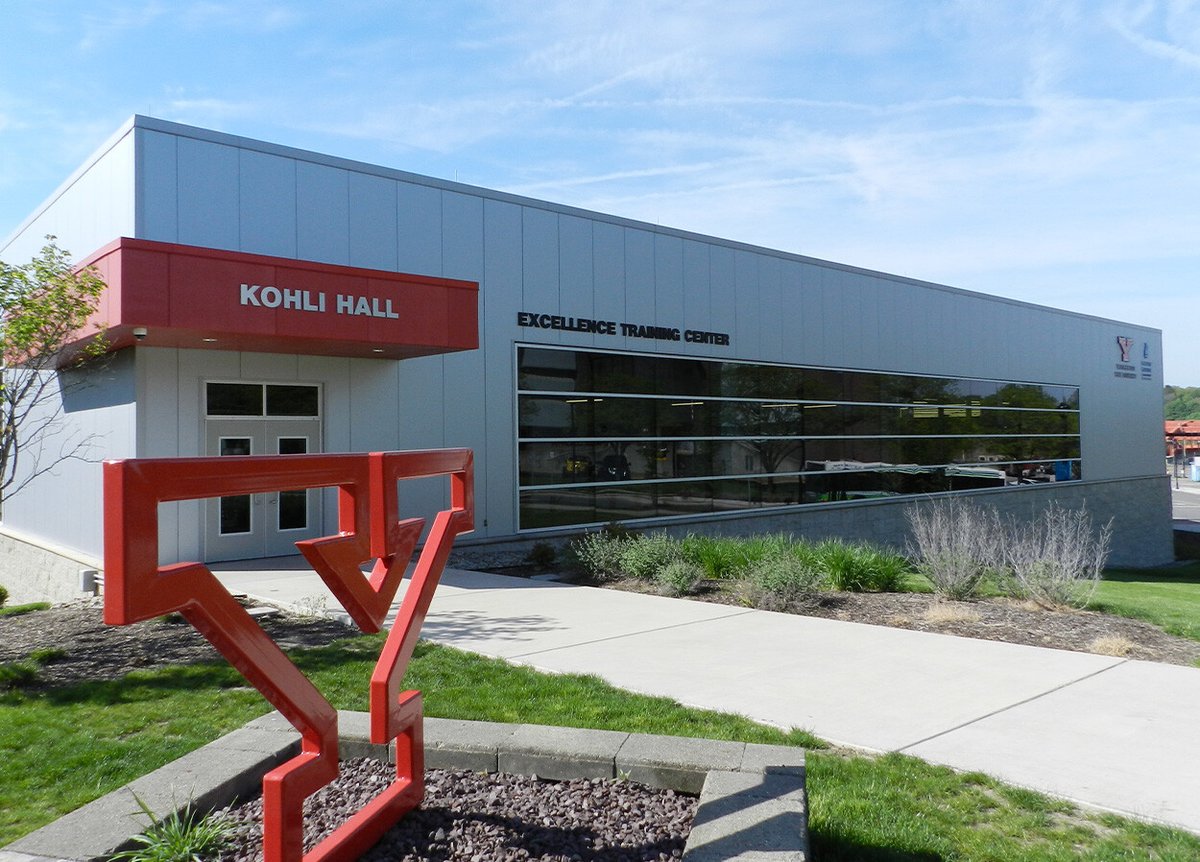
x=669 y=310
x=608 y=266
x=322 y=213
x=697 y=302
x=576 y=275
x=722 y=297
x=65 y=505
x=419 y=214
x=267 y=367
x=462 y=237
x=93 y=208
x=501 y=282
x=267 y=204
x=373 y=224
x=376 y=401
x=639 y=284
x=157 y=374
x=157 y=192
x=843 y=312
x=208 y=190
x=791 y=308
x=422 y=424
x=748 y=325
x=464 y=394
x=539 y=274
x=770 y=299
x=465 y=397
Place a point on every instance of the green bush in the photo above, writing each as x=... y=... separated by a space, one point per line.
x=185 y=836
x=719 y=557
x=679 y=577
x=19 y=610
x=542 y=555
x=45 y=655
x=784 y=581
x=17 y=674
x=861 y=569
x=643 y=557
x=599 y=554
x=3 y=595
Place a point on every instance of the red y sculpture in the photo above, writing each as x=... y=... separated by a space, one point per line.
x=137 y=588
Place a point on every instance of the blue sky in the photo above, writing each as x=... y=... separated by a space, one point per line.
x=1046 y=150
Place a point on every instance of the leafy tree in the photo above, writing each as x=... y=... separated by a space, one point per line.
x=44 y=306
x=1181 y=402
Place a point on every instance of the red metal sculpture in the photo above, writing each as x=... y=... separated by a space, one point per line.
x=137 y=588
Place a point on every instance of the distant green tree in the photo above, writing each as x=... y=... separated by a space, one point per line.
x=1181 y=402
x=44 y=305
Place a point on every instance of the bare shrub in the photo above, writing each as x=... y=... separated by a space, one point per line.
x=1114 y=645
x=1057 y=559
x=954 y=544
x=944 y=613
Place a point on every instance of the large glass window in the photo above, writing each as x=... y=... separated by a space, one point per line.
x=613 y=436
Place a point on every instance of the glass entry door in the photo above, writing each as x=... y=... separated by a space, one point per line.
x=261 y=525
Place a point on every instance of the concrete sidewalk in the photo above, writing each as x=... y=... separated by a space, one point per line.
x=1107 y=732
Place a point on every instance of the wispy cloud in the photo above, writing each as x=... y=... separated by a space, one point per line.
x=1180 y=19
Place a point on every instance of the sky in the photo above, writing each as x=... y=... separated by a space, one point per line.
x=1047 y=151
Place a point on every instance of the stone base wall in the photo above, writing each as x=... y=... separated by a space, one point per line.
x=1139 y=510
x=35 y=573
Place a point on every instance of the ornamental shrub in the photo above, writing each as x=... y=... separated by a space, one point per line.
x=718 y=557
x=784 y=581
x=3 y=595
x=1056 y=560
x=956 y=545
x=860 y=568
x=679 y=577
x=599 y=555
x=542 y=555
x=644 y=556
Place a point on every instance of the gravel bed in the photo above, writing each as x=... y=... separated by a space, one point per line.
x=476 y=817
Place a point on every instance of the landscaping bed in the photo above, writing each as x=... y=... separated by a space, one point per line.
x=470 y=817
x=997 y=619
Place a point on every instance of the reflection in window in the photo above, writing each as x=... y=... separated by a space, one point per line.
x=611 y=437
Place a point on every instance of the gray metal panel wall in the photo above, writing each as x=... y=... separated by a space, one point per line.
x=94 y=207
x=531 y=256
x=65 y=506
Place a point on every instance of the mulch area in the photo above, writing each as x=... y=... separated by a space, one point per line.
x=994 y=619
x=94 y=651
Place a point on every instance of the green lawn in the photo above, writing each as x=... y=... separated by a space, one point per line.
x=62 y=747
x=1167 y=597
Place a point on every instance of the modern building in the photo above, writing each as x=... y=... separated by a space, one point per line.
x=264 y=299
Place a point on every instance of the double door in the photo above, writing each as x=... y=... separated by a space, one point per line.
x=262 y=525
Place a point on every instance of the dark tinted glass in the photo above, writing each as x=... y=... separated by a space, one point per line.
x=628 y=432
x=293 y=401
x=234 y=399
x=293 y=510
x=235 y=515
x=293 y=445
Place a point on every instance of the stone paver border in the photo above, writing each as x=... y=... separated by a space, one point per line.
x=753 y=803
